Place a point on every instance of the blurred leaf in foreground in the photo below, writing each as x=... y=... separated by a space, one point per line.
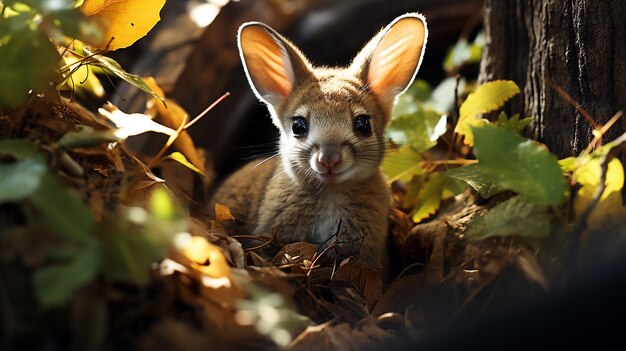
x=28 y=63
x=56 y=283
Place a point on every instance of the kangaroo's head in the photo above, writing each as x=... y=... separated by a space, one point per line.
x=332 y=120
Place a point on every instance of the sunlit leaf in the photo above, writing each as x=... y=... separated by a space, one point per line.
x=402 y=164
x=513 y=123
x=463 y=53
x=420 y=130
x=110 y=65
x=488 y=97
x=515 y=216
x=430 y=196
x=161 y=204
x=126 y=21
x=522 y=165
x=610 y=202
x=180 y=158
x=132 y=123
x=204 y=256
x=57 y=283
x=474 y=177
x=81 y=76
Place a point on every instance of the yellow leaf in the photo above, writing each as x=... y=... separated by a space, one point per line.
x=206 y=258
x=610 y=204
x=222 y=213
x=81 y=76
x=125 y=21
x=488 y=97
x=172 y=116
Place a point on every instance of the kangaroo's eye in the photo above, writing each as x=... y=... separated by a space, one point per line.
x=300 y=127
x=362 y=124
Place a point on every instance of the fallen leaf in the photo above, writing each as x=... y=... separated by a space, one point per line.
x=222 y=213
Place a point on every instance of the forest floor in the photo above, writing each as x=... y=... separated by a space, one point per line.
x=206 y=287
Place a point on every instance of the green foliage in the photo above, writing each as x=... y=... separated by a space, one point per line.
x=514 y=123
x=111 y=66
x=62 y=211
x=474 y=177
x=28 y=62
x=120 y=250
x=30 y=33
x=402 y=164
x=430 y=190
x=488 y=97
x=464 y=53
x=21 y=178
x=57 y=283
x=415 y=121
x=522 y=165
x=515 y=216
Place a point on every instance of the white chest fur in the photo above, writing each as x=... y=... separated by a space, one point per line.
x=333 y=211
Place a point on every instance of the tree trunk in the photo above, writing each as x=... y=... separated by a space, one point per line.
x=577 y=45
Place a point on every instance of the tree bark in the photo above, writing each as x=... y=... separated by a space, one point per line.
x=577 y=45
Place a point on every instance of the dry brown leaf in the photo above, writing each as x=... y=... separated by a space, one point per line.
x=403 y=292
x=368 y=281
x=222 y=213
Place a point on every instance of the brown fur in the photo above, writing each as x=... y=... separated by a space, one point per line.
x=287 y=193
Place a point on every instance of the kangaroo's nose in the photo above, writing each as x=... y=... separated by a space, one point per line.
x=329 y=159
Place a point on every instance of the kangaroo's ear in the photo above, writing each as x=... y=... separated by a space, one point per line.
x=272 y=64
x=389 y=62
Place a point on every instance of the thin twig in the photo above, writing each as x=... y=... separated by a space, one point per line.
x=579 y=108
x=206 y=110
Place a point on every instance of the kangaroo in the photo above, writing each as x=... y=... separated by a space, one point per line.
x=326 y=179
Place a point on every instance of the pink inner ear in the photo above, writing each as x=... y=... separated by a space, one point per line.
x=396 y=58
x=267 y=63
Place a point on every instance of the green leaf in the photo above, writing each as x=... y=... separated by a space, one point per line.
x=18 y=148
x=515 y=216
x=420 y=129
x=513 y=123
x=488 y=97
x=180 y=158
x=87 y=137
x=20 y=179
x=463 y=53
x=115 y=68
x=61 y=211
x=28 y=63
x=402 y=164
x=474 y=177
x=56 y=284
x=430 y=196
x=524 y=166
